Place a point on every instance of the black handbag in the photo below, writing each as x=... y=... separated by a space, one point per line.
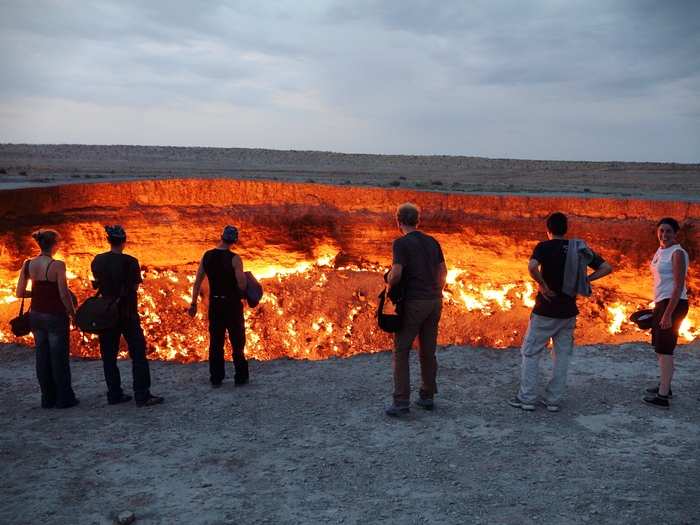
x=97 y=314
x=390 y=323
x=253 y=290
x=20 y=325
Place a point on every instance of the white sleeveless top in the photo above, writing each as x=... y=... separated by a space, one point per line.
x=662 y=270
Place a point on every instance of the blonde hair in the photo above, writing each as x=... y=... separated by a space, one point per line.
x=46 y=239
x=408 y=214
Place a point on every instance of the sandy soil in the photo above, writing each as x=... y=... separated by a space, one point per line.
x=32 y=165
x=306 y=442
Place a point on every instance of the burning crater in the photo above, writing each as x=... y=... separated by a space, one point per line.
x=320 y=252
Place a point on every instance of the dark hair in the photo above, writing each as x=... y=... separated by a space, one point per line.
x=673 y=223
x=116 y=236
x=408 y=214
x=46 y=239
x=557 y=224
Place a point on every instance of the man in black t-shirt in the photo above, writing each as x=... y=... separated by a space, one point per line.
x=118 y=275
x=554 y=314
x=419 y=268
x=227 y=283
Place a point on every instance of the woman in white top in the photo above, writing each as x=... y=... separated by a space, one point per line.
x=669 y=268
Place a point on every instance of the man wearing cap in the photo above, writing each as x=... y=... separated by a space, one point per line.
x=224 y=270
x=118 y=275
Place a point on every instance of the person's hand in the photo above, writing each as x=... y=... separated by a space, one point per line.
x=666 y=321
x=545 y=291
x=192 y=310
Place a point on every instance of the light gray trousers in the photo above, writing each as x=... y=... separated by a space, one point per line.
x=540 y=330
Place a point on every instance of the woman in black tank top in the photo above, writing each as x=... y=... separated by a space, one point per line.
x=51 y=306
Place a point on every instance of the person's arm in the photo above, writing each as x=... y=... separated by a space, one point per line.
x=394 y=276
x=533 y=267
x=21 y=290
x=442 y=274
x=241 y=280
x=602 y=270
x=63 y=291
x=678 y=262
x=196 y=288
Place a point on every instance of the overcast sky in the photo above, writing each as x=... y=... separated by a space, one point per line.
x=546 y=79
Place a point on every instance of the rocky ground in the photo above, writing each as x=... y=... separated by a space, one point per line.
x=307 y=442
x=24 y=165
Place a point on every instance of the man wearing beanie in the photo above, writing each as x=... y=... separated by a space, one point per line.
x=118 y=275
x=224 y=270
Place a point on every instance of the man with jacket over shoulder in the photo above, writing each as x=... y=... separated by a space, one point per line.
x=418 y=267
x=560 y=268
x=227 y=283
x=118 y=275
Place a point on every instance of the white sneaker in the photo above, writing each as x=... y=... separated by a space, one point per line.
x=551 y=407
x=517 y=403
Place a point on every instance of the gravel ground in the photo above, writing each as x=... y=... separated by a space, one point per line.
x=307 y=442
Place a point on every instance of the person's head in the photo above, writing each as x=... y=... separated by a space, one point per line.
x=116 y=236
x=408 y=215
x=667 y=231
x=230 y=235
x=47 y=240
x=557 y=224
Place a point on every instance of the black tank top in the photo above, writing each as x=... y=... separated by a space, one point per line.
x=218 y=265
x=45 y=296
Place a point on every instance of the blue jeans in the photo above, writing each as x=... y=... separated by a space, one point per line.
x=130 y=328
x=52 y=365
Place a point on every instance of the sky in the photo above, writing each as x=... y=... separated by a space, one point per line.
x=536 y=79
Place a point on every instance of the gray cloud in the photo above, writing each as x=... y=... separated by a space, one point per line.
x=584 y=80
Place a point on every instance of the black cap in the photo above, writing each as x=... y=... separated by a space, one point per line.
x=644 y=319
x=230 y=234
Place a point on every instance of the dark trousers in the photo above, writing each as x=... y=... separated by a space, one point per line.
x=136 y=343
x=52 y=365
x=420 y=319
x=226 y=316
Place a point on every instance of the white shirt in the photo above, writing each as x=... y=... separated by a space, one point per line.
x=662 y=270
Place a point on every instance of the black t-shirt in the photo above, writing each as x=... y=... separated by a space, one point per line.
x=551 y=255
x=420 y=256
x=117 y=275
x=218 y=265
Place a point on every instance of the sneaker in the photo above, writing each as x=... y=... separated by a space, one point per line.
x=123 y=399
x=425 y=404
x=397 y=410
x=551 y=407
x=657 y=401
x=150 y=401
x=655 y=390
x=517 y=403
x=216 y=385
x=240 y=382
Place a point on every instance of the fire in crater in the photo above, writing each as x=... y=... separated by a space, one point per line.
x=320 y=252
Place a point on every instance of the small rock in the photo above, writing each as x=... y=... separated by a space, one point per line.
x=126 y=518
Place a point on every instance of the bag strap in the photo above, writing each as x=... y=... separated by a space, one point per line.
x=46 y=275
x=25 y=270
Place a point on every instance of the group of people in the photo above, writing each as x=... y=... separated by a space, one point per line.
x=558 y=265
